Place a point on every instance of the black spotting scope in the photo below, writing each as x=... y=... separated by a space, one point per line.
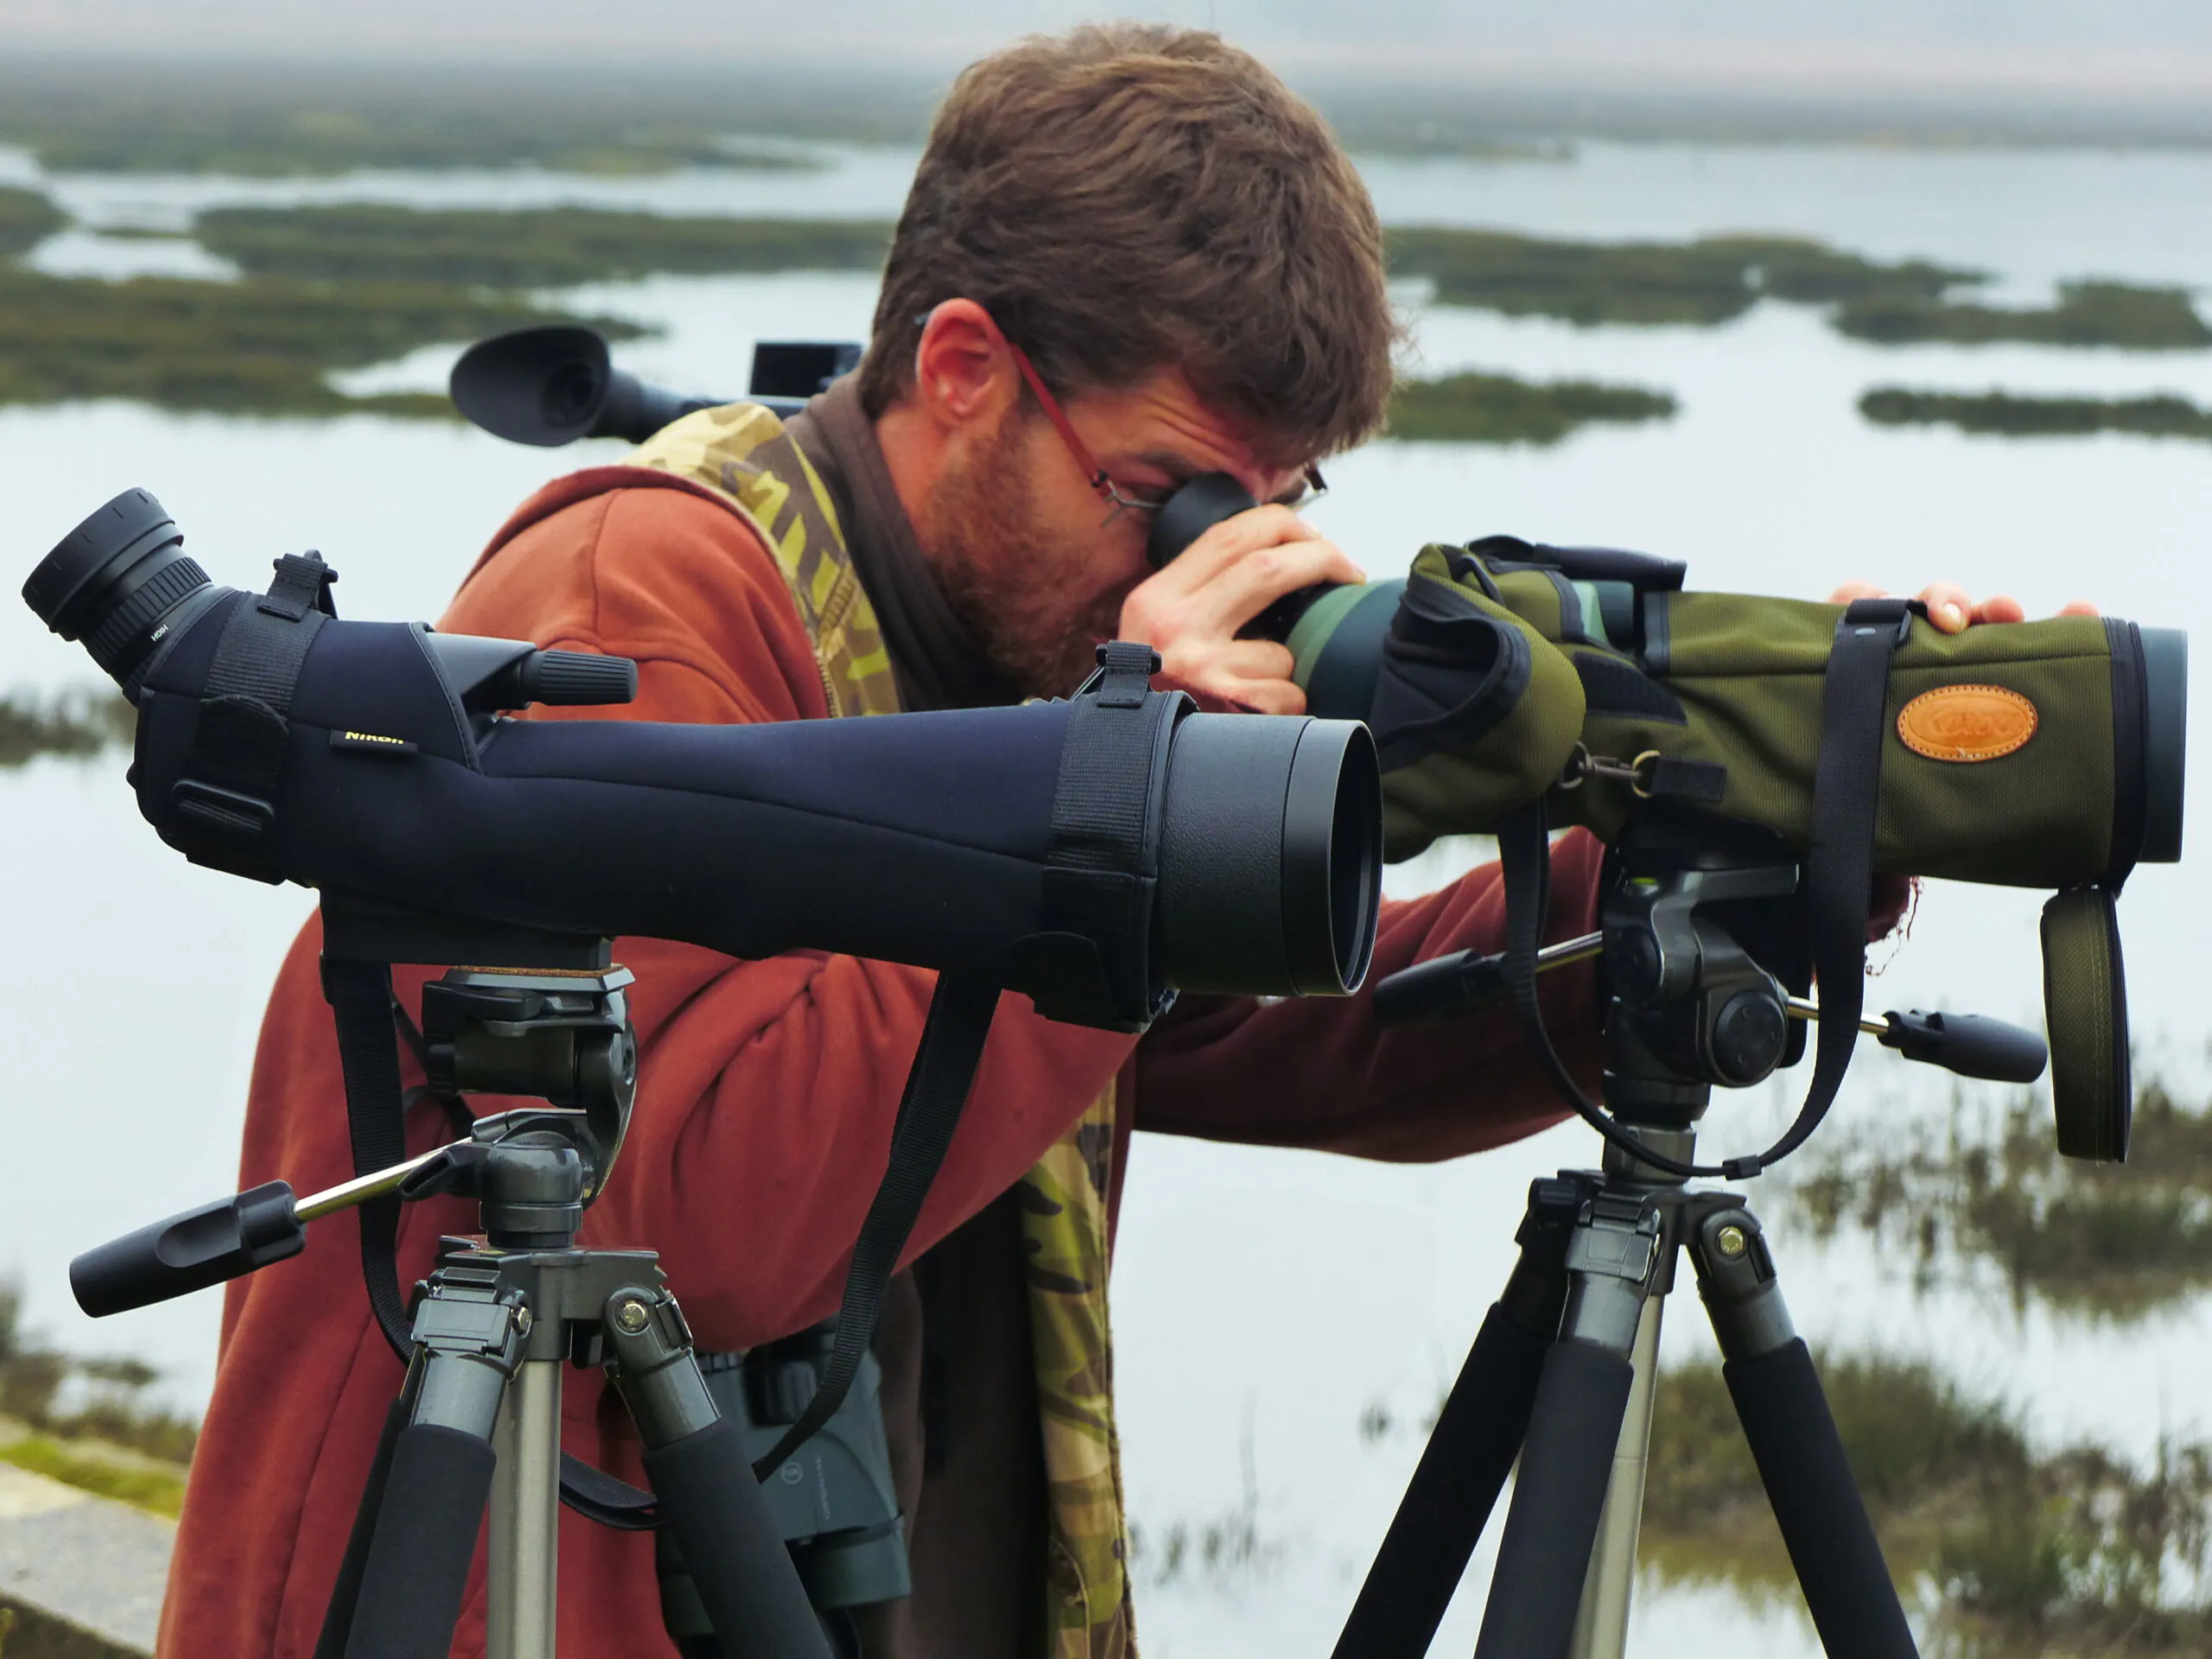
x=1098 y=853
x=552 y=384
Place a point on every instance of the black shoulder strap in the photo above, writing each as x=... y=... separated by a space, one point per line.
x=1838 y=886
x=936 y=1090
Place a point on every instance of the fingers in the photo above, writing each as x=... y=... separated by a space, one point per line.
x=1251 y=674
x=2001 y=607
x=1949 y=606
x=1952 y=609
x=1191 y=611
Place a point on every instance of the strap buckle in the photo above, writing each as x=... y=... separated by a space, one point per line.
x=240 y=819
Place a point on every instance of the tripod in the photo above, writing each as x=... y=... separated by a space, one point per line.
x=478 y=1418
x=1562 y=1372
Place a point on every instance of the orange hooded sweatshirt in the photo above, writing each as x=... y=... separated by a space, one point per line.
x=764 y=1103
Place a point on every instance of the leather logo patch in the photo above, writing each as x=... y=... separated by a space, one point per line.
x=1966 y=722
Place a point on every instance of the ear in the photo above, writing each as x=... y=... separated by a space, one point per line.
x=964 y=376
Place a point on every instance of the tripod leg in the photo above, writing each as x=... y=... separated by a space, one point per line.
x=1612 y=1261
x=416 y=1568
x=345 y=1595
x=702 y=1479
x=1470 y=1450
x=1793 y=1440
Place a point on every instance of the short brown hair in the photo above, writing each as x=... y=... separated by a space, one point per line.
x=1128 y=197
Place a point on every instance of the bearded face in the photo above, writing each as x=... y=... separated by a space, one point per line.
x=1031 y=571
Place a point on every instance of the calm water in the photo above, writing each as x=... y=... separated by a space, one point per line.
x=1265 y=1298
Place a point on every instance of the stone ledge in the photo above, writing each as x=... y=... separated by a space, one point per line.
x=83 y=1575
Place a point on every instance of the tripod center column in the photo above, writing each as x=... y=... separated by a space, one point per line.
x=524 y=1545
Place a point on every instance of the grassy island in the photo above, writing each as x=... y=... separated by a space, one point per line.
x=2002 y=414
x=1498 y=408
x=262 y=345
x=1696 y=283
x=265 y=127
x=27 y=218
x=551 y=247
x=2120 y=315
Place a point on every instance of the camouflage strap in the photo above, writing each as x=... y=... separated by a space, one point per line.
x=741 y=452
x=1064 y=1228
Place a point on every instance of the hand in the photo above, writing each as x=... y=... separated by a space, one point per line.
x=1950 y=608
x=1190 y=612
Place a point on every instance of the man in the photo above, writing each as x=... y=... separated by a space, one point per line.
x=1130 y=256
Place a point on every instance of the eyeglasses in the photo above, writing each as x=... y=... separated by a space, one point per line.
x=1102 y=483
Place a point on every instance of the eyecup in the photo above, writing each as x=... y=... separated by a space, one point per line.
x=107 y=542
x=543 y=385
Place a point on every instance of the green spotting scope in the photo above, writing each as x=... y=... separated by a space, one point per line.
x=1504 y=673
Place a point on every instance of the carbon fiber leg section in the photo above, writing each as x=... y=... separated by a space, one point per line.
x=1613 y=1261
x=1472 y=1450
x=1793 y=1438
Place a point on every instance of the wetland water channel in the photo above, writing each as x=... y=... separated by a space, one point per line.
x=1268 y=1302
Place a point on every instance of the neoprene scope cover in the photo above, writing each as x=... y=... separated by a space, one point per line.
x=1099 y=853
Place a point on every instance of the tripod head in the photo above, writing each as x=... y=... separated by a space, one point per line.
x=560 y=1033
x=1704 y=973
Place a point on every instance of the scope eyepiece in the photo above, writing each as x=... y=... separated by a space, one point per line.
x=1197 y=507
x=116 y=582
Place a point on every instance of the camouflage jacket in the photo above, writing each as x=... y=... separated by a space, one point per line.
x=742 y=454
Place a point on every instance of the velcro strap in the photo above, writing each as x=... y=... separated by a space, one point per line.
x=225 y=801
x=1091 y=964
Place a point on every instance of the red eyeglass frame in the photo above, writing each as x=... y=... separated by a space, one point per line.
x=1101 y=482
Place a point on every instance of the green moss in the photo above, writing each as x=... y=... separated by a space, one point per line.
x=75 y=722
x=160 y=1490
x=1699 y=283
x=27 y=217
x=263 y=345
x=2097 y=1242
x=1497 y=409
x=2007 y=416
x=2118 y=315
x=534 y=248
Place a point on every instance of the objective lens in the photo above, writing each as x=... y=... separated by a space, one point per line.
x=116 y=582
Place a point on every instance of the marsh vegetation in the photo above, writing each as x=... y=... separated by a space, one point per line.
x=2006 y=414
x=263 y=345
x=1699 y=283
x=1498 y=408
x=2125 y=315
x=2063 y=1555
x=553 y=247
x=85 y=1422
x=81 y=721
x=1979 y=1194
x=27 y=217
x=204 y=119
